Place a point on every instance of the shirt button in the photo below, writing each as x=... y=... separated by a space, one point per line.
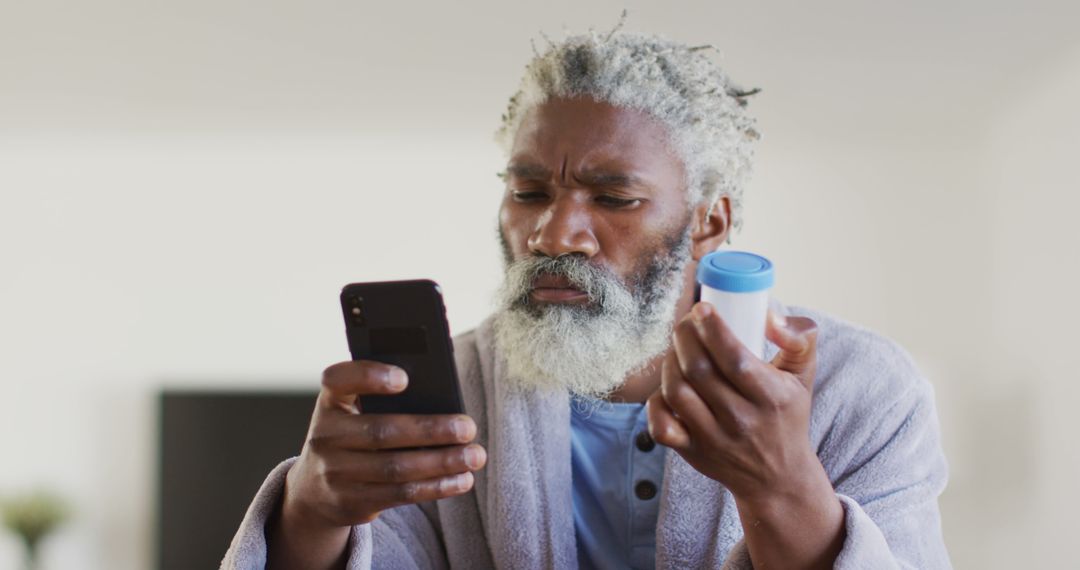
x=644 y=442
x=645 y=490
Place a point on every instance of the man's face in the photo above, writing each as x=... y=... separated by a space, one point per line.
x=594 y=225
x=592 y=179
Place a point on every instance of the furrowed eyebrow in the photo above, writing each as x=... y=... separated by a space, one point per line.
x=614 y=179
x=602 y=178
x=528 y=171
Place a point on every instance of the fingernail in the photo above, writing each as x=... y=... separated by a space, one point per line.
x=779 y=321
x=472 y=457
x=463 y=481
x=460 y=427
x=703 y=310
x=396 y=379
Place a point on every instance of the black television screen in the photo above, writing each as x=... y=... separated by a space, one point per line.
x=216 y=449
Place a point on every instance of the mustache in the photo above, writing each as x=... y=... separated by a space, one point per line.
x=594 y=281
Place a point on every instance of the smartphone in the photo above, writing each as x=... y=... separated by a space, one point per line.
x=403 y=323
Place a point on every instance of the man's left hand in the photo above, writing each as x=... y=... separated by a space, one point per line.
x=745 y=423
x=733 y=417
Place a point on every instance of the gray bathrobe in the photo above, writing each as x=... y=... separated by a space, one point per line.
x=873 y=425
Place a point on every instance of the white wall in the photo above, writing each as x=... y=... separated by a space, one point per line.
x=184 y=191
x=1032 y=169
x=132 y=264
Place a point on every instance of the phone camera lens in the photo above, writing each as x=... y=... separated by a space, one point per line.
x=356 y=311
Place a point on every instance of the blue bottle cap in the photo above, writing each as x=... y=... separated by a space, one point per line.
x=735 y=272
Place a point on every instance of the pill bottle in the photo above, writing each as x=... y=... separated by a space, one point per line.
x=737 y=284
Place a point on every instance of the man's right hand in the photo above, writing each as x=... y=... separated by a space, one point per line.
x=354 y=466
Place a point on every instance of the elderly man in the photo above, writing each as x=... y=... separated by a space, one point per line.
x=611 y=421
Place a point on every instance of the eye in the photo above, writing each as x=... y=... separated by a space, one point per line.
x=616 y=202
x=527 y=195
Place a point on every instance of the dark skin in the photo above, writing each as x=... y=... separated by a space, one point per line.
x=591 y=179
x=354 y=466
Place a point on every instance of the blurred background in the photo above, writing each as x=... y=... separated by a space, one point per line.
x=185 y=187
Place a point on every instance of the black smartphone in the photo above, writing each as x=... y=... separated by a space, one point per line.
x=404 y=323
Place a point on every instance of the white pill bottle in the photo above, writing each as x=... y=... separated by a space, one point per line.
x=737 y=283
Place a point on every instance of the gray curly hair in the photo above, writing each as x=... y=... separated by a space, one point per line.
x=677 y=84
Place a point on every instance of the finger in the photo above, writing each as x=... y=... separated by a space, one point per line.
x=685 y=402
x=389 y=495
x=796 y=337
x=664 y=427
x=740 y=367
x=395 y=431
x=344 y=381
x=405 y=466
x=698 y=370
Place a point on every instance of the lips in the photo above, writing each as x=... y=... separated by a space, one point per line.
x=548 y=288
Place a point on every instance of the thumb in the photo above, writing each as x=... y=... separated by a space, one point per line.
x=797 y=339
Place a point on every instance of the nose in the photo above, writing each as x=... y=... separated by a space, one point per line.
x=564 y=227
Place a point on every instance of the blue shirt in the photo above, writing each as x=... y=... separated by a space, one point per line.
x=617 y=474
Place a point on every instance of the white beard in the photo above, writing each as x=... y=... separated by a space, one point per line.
x=589 y=349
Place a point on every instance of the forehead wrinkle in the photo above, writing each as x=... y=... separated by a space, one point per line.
x=610 y=164
x=602 y=163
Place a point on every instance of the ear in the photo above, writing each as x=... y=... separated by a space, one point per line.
x=711 y=227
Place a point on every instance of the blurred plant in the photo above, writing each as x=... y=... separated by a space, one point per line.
x=31 y=517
